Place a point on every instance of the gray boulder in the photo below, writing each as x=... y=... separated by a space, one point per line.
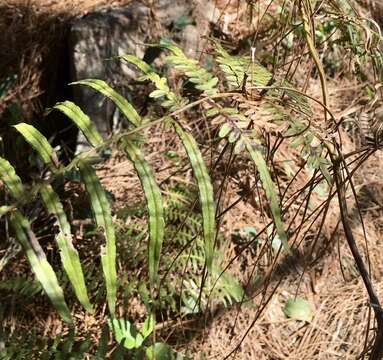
x=97 y=37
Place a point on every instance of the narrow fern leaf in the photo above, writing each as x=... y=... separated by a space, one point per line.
x=10 y=179
x=155 y=207
x=272 y=197
x=39 y=264
x=102 y=214
x=142 y=65
x=205 y=189
x=123 y=105
x=39 y=142
x=81 y=120
x=69 y=255
x=32 y=248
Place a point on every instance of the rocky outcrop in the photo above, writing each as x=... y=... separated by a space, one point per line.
x=99 y=36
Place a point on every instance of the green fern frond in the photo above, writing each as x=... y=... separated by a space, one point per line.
x=39 y=264
x=235 y=130
x=69 y=255
x=269 y=188
x=172 y=101
x=205 y=189
x=102 y=214
x=196 y=160
x=154 y=204
x=81 y=120
x=39 y=142
x=199 y=76
x=123 y=105
x=35 y=254
x=237 y=69
x=22 y=285
x=10 y=179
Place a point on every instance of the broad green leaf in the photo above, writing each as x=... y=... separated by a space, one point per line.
x=148 y=327
x=125 y=333
x=224 y=130
x=298 y=309
x=205 y=189
x=157 y=93
x=39 y=142
x=39 y=264
x=268 y=186
x=4 y=209
x=81 y=120
x=228 y=284
x=10 y=179
x=69 y=255
x=154 y=203
x=101 y=211
x=209 y=85
x=160 y=351
x=123 y=105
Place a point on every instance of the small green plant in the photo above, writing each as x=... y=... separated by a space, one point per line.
x=125 y=332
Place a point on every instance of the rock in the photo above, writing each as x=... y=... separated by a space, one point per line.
x=93 y=40
x=377 y=12
x=190 y=39
x=166 y=11
x=101 y=35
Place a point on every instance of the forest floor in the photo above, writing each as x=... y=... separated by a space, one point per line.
x=332 y=286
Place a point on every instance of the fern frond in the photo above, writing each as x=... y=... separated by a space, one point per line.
x=39 y=264
x=238 y=69
x=205 y=189
x=172 y=101
x=10 y=179
x=199 y=168
x=39 y=142
x=69 y=255
x=35 y=254
x=154 y=203
x=199 y=76
x=22 y=285
x=269 y=188
x=81 y=120
x=235 y=129
x=123 y=105
x=102 y=214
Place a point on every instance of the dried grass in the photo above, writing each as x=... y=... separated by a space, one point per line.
x=340 y=303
